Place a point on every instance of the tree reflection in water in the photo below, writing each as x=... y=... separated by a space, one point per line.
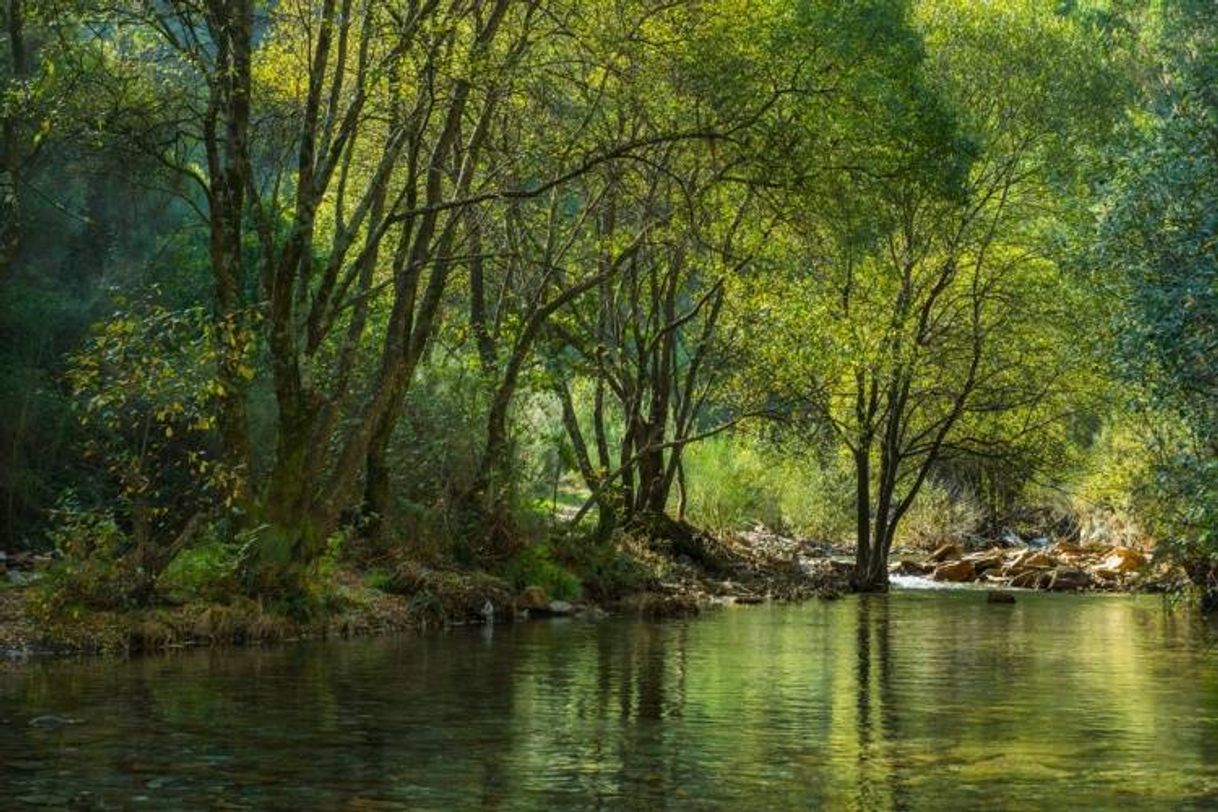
x=900 y=701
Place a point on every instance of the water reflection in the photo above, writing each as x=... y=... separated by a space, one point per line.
x=893 y=702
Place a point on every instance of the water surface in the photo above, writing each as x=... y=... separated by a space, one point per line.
x=917 y=700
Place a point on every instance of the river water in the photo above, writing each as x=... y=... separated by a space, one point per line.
x=916 y=700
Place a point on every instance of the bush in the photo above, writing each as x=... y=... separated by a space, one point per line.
x=93 y=568
x=740 y=480
x=941 y=514
x=535 y=566
x=209 y=572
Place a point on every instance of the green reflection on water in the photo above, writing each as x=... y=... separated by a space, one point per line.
x=918 y=700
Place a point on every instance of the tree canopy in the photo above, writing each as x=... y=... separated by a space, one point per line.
x=465 y=277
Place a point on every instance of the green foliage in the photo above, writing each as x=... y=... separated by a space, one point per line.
x=210 y=571
x=145 y=390
x=737 y=481
x=606 y=571
x=603 y=228
x=94 y=568
x=940 y=515
x=1159 y=231
x=535 y=565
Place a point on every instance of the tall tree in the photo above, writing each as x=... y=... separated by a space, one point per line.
x=1157 y=252
x=929 y=302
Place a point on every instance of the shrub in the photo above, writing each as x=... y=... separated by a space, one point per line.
x=210 y=571
x=740 y=480
x=535 y=566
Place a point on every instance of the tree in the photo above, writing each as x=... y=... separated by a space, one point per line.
x=1157 y=250
x=924 y=318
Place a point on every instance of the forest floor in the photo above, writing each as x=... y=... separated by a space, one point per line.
x=684 y=572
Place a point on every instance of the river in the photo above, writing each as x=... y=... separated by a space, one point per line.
x=916 y=700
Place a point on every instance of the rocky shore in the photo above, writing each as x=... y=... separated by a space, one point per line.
x=1062 y=566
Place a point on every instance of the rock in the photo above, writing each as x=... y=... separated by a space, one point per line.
x=1068 y=579
x=1124 y=559
x=22 y=578
x=750 y=600
x=955 y=571
x=999 y=596
x=949 y=550
x=560 y=608
x=1027 y=580
x=1028 y=561
x=592 y=613
x=52 y=722
x=1034 y=559
x=986 y=560
x=909 y=567
x=533 y=597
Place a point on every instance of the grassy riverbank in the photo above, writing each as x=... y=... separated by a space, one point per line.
x=684 y=573
x=650 y=578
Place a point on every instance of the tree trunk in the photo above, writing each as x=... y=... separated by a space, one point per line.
x=865 y=550
x=10 y=191
x=226 y=140
x=376 y=484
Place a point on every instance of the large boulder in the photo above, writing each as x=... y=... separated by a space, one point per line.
x=947 y=551
x=1068 y=579
x=1124 y=559
x=1028 y=561
x=986 y=560
x=955 y=571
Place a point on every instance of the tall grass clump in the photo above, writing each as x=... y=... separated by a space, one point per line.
x=738 y=481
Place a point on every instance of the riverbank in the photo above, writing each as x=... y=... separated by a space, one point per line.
x=680 y=571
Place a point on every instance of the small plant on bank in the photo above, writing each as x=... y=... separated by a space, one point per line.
x=535 y=565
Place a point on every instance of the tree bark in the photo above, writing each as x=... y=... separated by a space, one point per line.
x=10 y=189
x=226 y=141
